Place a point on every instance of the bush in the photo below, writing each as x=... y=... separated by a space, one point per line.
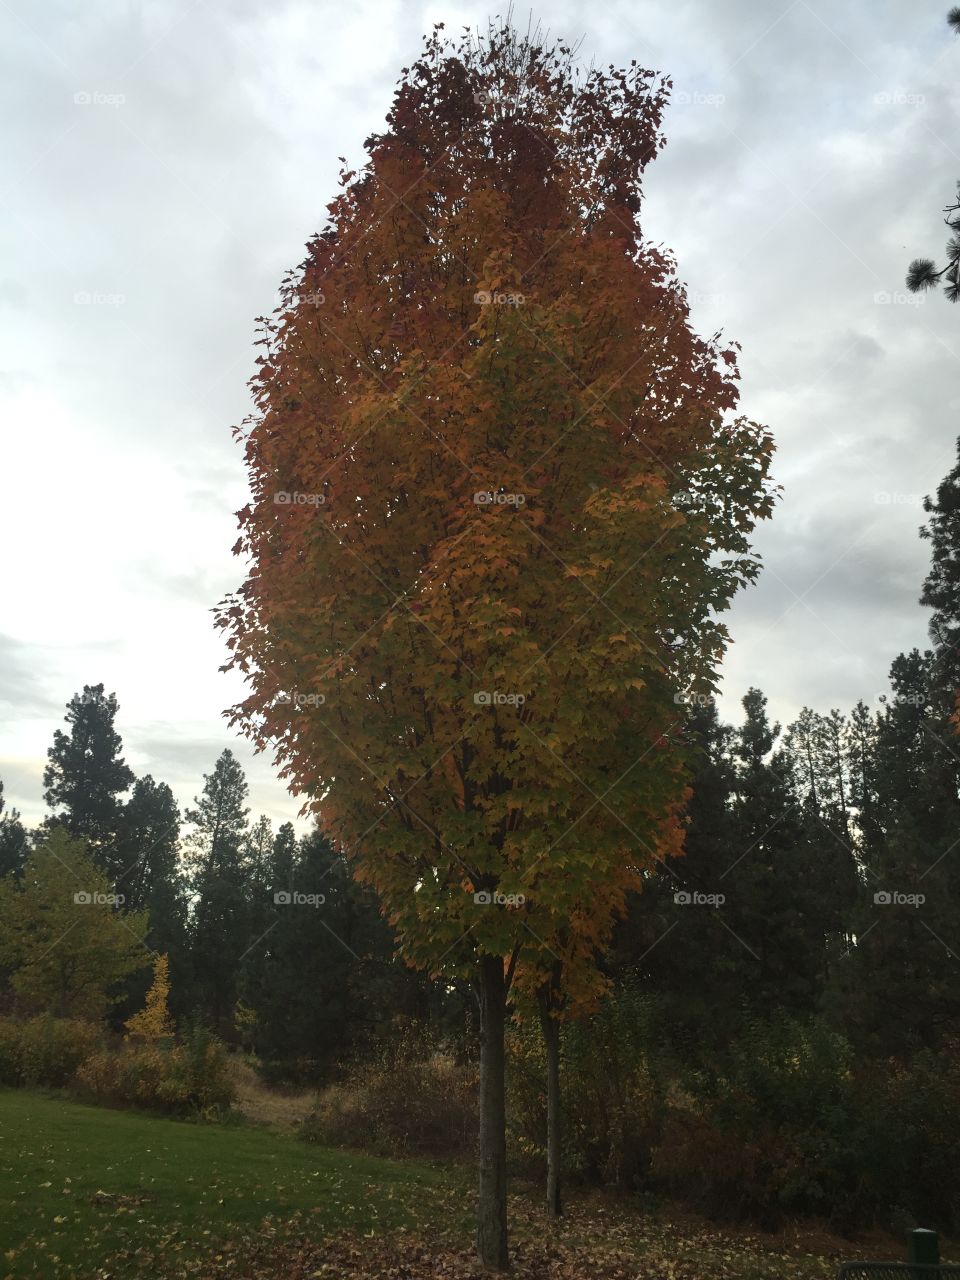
x=45 y=1050
x=405 y=1103
x=793 y=1125
x=768 y=1131
x=784 y=1121
x=611 y=1094
x=188 y=1079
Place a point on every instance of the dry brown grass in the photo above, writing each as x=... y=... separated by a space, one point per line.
x=269 y=1105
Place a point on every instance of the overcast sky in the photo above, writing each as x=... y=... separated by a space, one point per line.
x=164 y=164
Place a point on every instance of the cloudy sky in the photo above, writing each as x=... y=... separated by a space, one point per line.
x=164 y=163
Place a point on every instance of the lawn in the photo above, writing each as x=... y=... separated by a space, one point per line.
x=79 y=1184
x=96 y=1194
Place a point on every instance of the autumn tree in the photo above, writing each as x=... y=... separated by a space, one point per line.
x=498 y=502
x=154 y=1023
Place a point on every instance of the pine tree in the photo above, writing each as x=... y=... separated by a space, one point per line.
x=220 y=924
x=324 y=979
x=86 y=775
x=14 y=842
x=923 y=273
x=941 y=589
x=152 y=879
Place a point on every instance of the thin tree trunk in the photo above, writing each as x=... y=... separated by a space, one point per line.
x=551 y=1040
x=492 y=1214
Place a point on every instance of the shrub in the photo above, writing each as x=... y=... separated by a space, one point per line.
x=191 y=1078
x=407 y=1102
x=611 y=1093
x=45 y=1050
x=784 y=1121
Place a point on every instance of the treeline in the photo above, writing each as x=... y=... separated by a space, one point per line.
x=272 y=945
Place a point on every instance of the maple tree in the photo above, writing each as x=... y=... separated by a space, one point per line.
x=498 y=499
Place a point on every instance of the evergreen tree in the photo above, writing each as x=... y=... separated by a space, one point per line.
x=14 y=843
x=677 y=951
x=923 y=273
x=773 y=902
x=282 y=858
x=325 y=980
x=86 y=775
x=151 y=879
x=941 y=589
x=220 y=923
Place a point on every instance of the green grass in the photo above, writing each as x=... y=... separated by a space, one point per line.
x=88 y=1193
x=177 y=1189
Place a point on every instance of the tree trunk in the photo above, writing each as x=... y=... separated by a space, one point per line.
x=492 y=1214
x=551 y=1040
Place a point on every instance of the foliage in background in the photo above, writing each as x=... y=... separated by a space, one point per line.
x=45 y=1050
x=190 y=1078
x=61 y=938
